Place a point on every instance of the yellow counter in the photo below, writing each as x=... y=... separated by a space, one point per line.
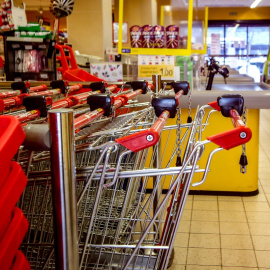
x=224 y=176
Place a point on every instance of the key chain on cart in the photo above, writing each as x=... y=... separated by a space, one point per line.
x=243 y=159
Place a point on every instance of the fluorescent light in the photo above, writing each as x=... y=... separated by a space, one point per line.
x=255 y=3
x=167 y=8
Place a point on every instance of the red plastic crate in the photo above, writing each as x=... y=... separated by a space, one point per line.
x=20 y=262
x=11 y=137
x=80 y=75
x=12 y=239
x=10 y=193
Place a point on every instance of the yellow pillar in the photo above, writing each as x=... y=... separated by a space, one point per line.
x=90 y=26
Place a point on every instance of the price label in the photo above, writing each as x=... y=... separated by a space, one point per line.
x=43 y=76
x=15 y=46
x=163 y=70
x=28 y=47
x=42 y=46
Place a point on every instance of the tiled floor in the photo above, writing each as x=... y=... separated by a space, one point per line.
x=228 y=233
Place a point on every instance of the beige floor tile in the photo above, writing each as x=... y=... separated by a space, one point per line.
x=204 y=227
x=188 y=205
x=236 y=242
x=202 y=215
x=238 y=268
x=205 y=256
x=180 y=255
x=190 y=197
x=205 y=198
x=186 y=214
x=258 y=216
x=181 y=240
x=230 y=198
x=267 y=197
x=236 y=257
x=258 y=198
x=264 y=176
x=202 y=267
x=204 y=240
x=234 y=228
x=230 y=206
x=205 y=205
x=263 y=182
x=257 y=206
x=232 y=216
x=261 y=242
x=184 y=226
x=259 y=228
x=263 y=258
x=266 y=188
x=264 y=170
x=177 y=267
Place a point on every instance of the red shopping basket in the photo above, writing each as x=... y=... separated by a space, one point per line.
x=20 y=262
x=11 y=137
x=72 y=73
x=10 y=193
x=12 y=239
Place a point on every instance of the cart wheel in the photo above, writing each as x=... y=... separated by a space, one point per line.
x=171 y=259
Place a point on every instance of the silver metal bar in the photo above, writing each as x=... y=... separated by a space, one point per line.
x=157 y=83
x=176 y=181
x=127 y=246
x=144 y=172
x=63 y=181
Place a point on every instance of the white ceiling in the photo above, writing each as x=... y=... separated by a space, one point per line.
x=31 y=4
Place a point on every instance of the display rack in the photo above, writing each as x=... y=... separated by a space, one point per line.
x=11 y=44
x=164 y=51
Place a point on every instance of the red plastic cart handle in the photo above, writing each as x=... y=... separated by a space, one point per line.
x=9 y=94
x=31 y=115
x=39 y=88
x=88 y=118
x=10 y=102
x=72 y=100
x=214 y=105
x=123 y=99
x=112 y=88
x=145 y=138
x=74 y=88
x=47 y=93
x=178 y=95
x=235 y=137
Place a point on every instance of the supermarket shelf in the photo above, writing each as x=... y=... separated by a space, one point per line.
x=25 y=39
x=156 y=51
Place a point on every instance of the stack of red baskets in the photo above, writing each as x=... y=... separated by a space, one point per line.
x=13 y=225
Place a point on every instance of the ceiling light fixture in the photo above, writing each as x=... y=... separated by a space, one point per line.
x=167 y=8
x=255 y=3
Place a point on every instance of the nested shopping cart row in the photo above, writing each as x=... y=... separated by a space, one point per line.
x=121 y=224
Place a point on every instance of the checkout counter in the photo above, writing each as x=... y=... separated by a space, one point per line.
x=225 y=177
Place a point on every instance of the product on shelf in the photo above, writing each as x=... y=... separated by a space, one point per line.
x=136 y=36
x=159 y=36
x=19 y=61
x=31 y=61
x=183 y=42
x=147 y=36
x=11 y=14
x=172 y=36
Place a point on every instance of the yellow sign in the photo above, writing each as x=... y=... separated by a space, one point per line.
x=163 y=70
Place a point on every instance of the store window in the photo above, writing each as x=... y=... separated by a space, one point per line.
x=241 y=45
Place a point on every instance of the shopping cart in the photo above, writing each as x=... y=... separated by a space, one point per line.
x=120 y=225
